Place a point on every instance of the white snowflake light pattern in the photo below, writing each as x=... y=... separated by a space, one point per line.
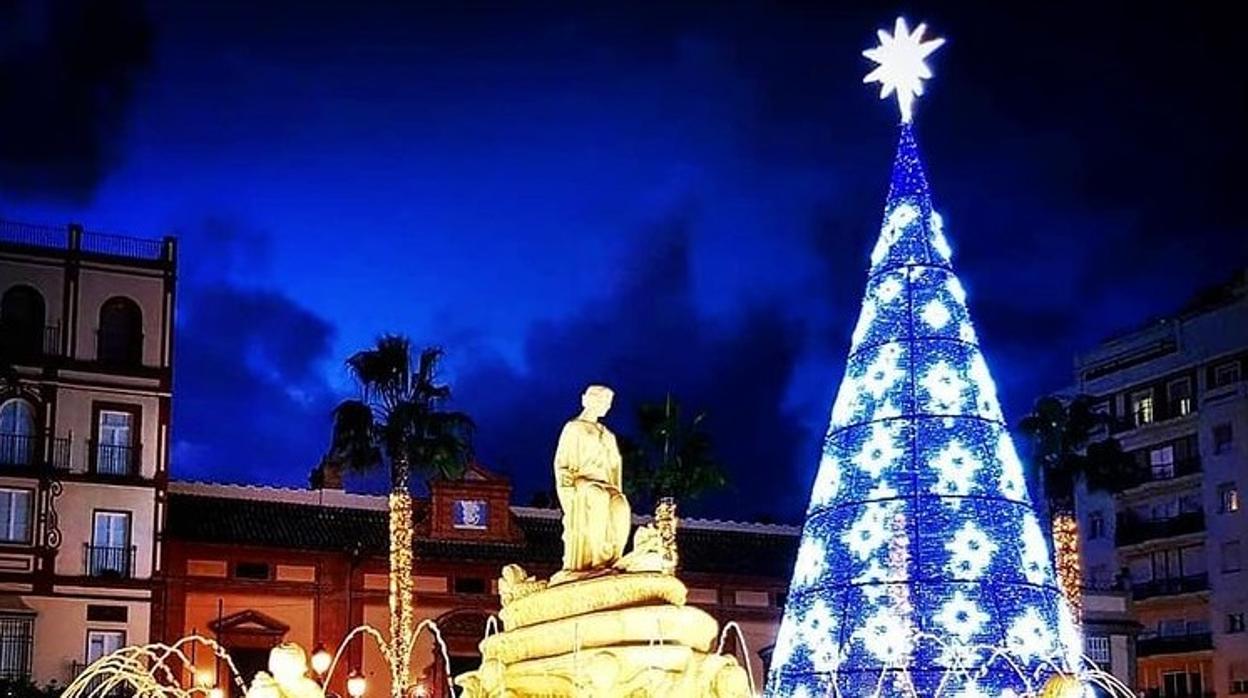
x=961 y=617
x=810 y=562
x=880 y=451
x=957 y=467
x=902 y=64
x=945 y=389
x=971 y=551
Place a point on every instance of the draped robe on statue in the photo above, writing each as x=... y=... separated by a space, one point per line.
x=596 y=515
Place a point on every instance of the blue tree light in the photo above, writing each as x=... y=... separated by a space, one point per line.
x=922 y=558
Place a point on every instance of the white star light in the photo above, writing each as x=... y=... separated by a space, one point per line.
x=961 y=617
x=944 y=388
x=901 y=67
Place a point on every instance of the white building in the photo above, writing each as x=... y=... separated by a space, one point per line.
x=1177 y=392
x=86 y=322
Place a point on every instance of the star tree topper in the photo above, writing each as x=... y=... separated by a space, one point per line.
x=902 y=68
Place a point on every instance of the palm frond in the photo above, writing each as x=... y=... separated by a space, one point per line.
x=353 y=439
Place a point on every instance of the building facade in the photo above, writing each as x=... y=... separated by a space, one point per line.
x=1179 y=403
x=86 y=343
x=255 y=566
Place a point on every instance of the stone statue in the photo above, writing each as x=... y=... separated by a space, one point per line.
x=588 y=478
x=606 y=625
x=287 y=676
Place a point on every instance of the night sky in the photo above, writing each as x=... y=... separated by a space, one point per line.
x=659 y=198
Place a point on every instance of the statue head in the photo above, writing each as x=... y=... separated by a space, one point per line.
x=597 y=401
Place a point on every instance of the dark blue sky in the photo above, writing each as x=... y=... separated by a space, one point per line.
x=656 y=197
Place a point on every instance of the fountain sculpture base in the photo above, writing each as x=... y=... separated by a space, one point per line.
x=618 y=634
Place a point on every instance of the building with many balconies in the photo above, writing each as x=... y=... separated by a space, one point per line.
x=1174 y=538
x=86 y=328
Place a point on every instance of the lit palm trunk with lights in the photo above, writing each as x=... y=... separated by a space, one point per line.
x=398 y=422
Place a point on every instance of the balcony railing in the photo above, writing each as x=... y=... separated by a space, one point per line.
x=74 y=238
x=25 y=344
x=27 y=451
x=108 y=561
x=1173 y=644
x=18 y=450
x=113 y=459
x=1158 y=693
x=1170 y=587
x=1132 y=529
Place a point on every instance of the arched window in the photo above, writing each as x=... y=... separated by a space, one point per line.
x=17 y=432
x=121 y=332
x=22 y=317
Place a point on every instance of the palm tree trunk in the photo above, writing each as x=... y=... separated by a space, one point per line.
x=1066 y=558
x=402 y=610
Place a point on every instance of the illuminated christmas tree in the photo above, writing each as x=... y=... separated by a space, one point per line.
x=922 y=562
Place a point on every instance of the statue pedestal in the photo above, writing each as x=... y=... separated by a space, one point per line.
x=617 y=634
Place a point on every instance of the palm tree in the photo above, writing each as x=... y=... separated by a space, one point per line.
x=1065 y=451
x=671 y=457
x=398 y=422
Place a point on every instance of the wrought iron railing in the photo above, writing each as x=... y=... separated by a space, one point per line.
x=18 y=450
x=17 y=640
x=114 y=459
x=1173 y=644
x=1131 y=529
x=74 y=238
x=123 y=246
x=1170 y=587
x=108 y=560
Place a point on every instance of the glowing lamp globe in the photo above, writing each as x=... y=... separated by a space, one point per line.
x=216 y=692
x=1063 y=686
x=204 y=678
x=321 y=660
x=356 y=684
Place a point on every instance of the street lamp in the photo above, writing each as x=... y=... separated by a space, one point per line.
x=356 y=684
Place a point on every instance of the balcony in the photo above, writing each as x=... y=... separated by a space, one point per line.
x=1173 y=586
x=28 y=345
x=106 y=561
x=27 y=451
x=113 y=459
x=1173 y=644
x=1146 y=474
x=1132 y=529
x=1158 y=693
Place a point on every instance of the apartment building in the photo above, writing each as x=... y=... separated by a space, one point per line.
x=1175 y=538
x=85 y=338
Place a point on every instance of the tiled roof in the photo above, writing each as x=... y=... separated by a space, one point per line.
x=728 y=549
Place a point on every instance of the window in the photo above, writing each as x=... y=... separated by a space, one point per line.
x=1161 y=462
x=1142 y=407
x=1097 y=648
x=1228 y=498
x=107 y=614
x=1179 y=397
x=110 y=553
x=17 y=433
x=1096 y=525
x=114 y=450
x=15 y=516
x=121 y=333
x=1225 y=374
x=22 y=317
x=471 y=585
x=1235 y=622
x=251 y=570
x=1239 y=677
x=1230 y=556
x=17 y=635
x=1223 y=438
x=102 y=642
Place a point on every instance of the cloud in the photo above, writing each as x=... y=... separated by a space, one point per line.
x=68 y=71
x=646 y=337
x=251 y=399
